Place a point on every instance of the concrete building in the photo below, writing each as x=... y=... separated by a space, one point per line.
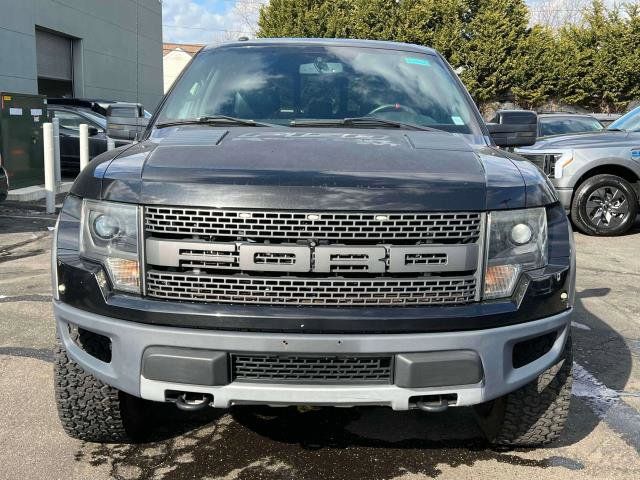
x=176 y=56
x=109 y=49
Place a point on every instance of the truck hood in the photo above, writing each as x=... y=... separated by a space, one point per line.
x=580 y=140
x=315 y=168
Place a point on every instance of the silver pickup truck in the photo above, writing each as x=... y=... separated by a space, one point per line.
x=596 y=175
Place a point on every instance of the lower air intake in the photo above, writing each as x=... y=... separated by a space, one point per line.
x=311 y=369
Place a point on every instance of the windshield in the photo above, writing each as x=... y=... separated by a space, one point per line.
x=293 y=83
x=564 y=125
x=629 y=122
x=98 y=119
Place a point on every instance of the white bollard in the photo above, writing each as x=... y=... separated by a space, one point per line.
x=49 y=167
x=84 y=145
x=111 y=143
x=56 y=149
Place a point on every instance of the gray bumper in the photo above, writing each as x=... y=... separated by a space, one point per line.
x=565 y=195
x=130 y=340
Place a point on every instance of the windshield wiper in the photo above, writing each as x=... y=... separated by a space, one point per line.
x=359 y=122
x=214 y=120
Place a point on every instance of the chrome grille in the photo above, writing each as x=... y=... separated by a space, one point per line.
x=311 y=369
x=289 y=225
x=331 y=291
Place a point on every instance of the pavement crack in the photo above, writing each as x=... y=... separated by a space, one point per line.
x=45 y=354
x=35 y=297
x=602 y=270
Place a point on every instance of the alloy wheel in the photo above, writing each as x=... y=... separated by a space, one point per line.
x=607 y=207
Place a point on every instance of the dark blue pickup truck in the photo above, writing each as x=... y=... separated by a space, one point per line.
x=316 y=222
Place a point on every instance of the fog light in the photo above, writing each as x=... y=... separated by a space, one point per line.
x=124 y=273
x=521 y=234
x=500 y=280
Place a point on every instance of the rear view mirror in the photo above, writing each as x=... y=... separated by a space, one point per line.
x=93 y=131
x=126 y=121
x=514 y=128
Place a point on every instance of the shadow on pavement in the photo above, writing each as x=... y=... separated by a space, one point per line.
x=22 y=217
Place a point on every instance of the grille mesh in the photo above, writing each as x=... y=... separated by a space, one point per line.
x=310 y=291
x=281 y=225
x=311 y=369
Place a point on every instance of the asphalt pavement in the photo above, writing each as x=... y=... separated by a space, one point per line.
x=602 y=439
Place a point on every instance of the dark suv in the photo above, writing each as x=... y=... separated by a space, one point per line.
x=316 y=222
x=71 y=113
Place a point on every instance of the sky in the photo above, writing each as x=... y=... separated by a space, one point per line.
x=212 y=21
x=208 y=21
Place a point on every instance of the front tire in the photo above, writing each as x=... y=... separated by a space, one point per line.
x=91 y=410
x=604 y=205
x=533 y=415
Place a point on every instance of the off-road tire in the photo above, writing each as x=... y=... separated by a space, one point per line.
x=89 y=409
x=579 y=211
x=533 y=415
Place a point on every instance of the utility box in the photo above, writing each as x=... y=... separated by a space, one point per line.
x=21 y=119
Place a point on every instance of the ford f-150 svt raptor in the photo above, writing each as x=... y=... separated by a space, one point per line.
x=315 y=222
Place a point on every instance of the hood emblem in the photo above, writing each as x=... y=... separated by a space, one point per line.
x=313 y=216
x=382 y=218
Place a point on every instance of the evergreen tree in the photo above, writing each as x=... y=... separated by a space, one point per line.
x=593 y=64
x=536 y=70
x=494 y=31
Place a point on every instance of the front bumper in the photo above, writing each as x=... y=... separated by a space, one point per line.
x=565 y=195
x=493 y=346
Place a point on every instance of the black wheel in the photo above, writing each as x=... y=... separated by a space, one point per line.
x=533 y=415
x=604 y=205
x=91 y=410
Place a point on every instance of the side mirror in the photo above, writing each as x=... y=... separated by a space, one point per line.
x=93 y=131
x=514 y=128
x=126 y=121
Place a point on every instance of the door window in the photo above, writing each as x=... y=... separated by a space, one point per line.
x=70 y=121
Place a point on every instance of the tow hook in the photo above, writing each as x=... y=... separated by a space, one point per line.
x=192 y=402
x=433 y=406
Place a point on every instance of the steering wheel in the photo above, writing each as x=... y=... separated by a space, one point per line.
x=393 y=107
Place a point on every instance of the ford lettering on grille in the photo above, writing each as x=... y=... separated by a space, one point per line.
x=312 y=258
x=320 y=259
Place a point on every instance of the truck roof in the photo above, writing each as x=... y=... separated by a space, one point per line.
x=333 y=42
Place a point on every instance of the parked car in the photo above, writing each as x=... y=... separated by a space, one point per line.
x=315 y=222
x=4 y=184
x=72 y=112
x=606 y=119
x=597 y=176
x=566 y=123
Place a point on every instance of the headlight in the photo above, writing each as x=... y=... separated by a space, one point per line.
x=517 y=242
x=561 y=162
x=110 y=236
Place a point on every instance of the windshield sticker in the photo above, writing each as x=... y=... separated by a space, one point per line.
x=635 y=154
x=417 y=61
x=457 y=120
